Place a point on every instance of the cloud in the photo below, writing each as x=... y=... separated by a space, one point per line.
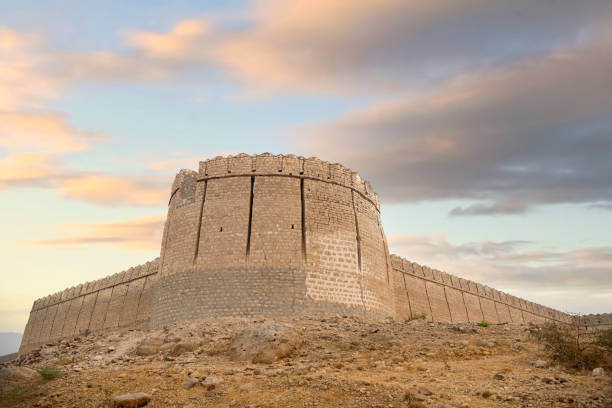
x=177 y=43
x=23 y=81
x=337 y=46
x=533 y=132
x=577 y=278
x=495 y=208
x=137 y=233
x=42 y=132
x=25 y=169
x=114 y=190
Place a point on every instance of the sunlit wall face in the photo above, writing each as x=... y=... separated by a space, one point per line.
x=483 y=126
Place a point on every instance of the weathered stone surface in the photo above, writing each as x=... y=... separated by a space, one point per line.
x=182 y=347
x=133 y=400
x=264 y=342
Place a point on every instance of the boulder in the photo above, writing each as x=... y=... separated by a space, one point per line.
x=133 y=400
x=265 y=342
x=182 y=347
x=149 y=346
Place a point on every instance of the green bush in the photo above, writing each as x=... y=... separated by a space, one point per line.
x=49 y=373
x=483 y=324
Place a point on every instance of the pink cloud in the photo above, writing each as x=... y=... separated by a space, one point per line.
x=136 y=233
x=114 y=190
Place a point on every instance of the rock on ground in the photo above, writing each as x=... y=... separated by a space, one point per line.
x=133 y=400
x=264 y=343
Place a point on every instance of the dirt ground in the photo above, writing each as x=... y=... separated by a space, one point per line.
x=331 y=362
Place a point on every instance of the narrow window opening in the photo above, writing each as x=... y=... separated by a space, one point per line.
x=301 y=172
x=280 y=170
x=221 y=229
x=229 y=171
x=292 y=226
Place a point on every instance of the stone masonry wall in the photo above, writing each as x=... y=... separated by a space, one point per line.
x=272 y=235
x=281 y=211
x=442 y=297
x=600 y=321
x=238 y=292
x=119 y=300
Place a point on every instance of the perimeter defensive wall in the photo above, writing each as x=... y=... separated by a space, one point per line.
x=272 y=235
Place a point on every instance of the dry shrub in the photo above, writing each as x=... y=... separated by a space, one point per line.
x=574 y=347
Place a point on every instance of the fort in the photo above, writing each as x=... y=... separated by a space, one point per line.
x=272 y=235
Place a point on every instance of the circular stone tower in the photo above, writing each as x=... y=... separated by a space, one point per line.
x=271 y=235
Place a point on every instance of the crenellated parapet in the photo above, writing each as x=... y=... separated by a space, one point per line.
x=267 y=164
x=499 y=307
x=133 y=273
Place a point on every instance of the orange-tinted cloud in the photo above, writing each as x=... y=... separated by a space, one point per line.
x=23 y=81
x=179 y=42
x=42 y=132
x=137 y=233
x=25 y=168
x=114 y=190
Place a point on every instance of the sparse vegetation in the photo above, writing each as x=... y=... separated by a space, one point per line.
x=19 y=393
x=49 y=373
x=16 y=394
x=575 y=348
x=484 y=323
x=421 y=316
x=604 y=338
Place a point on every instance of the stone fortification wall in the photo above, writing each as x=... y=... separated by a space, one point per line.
x=119 y=300
x=442 y=297
x=269 y=211
x=598 y=321
x=272 y=235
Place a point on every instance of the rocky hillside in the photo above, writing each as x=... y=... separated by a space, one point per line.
x=302 y=362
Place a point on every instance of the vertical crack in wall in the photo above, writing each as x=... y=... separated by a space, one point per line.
x=428 y=301
x=480 y=304
x=496 y=312
x=386 y=248
x=450 y=315
x=197 y=243
x=53 y=322
x=110 y=299
x=74 y=329
x=165 y=237
x=42 y=324
x=248 y=244
x=144 y=285
x=510 y=313
x=358 y=239
x=92 y=310
x=407 y=296
x=465 y=305
x=303 y=204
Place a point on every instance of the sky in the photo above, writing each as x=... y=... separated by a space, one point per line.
x=484 y=126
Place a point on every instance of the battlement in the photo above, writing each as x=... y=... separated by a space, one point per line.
x=267 y=164
x=272 y=235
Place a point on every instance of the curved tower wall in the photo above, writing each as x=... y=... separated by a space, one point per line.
x=319 y=221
